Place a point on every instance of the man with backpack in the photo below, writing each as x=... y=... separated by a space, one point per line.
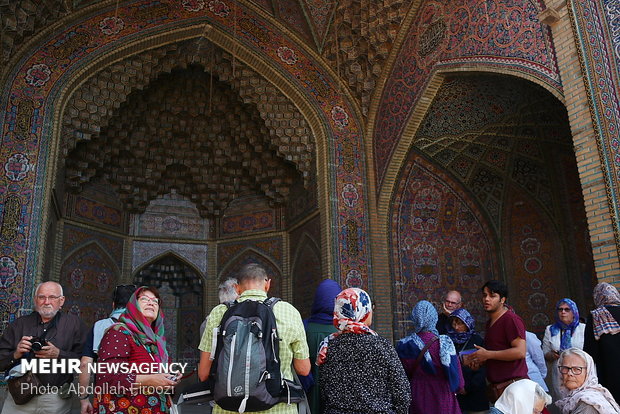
x=258 y=343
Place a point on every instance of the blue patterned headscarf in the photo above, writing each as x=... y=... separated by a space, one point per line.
x=567 y=330
x=424 y=317
x=468 y=320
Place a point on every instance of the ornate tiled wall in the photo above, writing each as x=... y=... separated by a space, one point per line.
x=440 y=241
x=535 y=261
x=171 y=216
x=449 y=33
x=88 y=276
x=32 y=93
x=97 y=205
x=145 y=251
x=306 y=271
x=233 y=256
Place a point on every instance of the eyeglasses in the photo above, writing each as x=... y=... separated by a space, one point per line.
x=575 y=370
x=564 y=309
x=43 y=298
x=146 y=300
x=449 y=302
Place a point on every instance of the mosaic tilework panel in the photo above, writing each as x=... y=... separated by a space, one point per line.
x=95 y=212
x=291 y=12
x=171 y=319
x=194 y=254
x=249 y=223
x=597 y=26
x=75 y=236
x=306 y=275
x=306 y=270
x=440 y=241
x=320 y=12
x=88 y=278
x=232 y=268
x=29 y=101
x=312 y=228
x=503 y=131
x=534 y=261
x=171 y=216
x=302 y=201
x=270 y=247
x=447 y=32
x=188 y=334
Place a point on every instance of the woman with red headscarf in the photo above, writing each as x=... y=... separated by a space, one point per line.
x=360 y=371
x=135 y=344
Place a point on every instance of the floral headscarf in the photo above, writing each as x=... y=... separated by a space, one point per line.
x=151 y=335
x=567 y=330
x=468 y=320
x=590 y=392
x=351 y=309
x=424 y=317
x=602 y=320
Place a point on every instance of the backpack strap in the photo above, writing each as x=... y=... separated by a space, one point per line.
x=423 y=351
x=270 y=302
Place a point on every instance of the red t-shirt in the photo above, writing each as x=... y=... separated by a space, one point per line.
x=499 y=336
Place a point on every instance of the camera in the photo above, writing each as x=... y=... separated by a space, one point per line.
x=37 y=343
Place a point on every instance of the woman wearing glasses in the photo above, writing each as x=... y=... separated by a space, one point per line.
x=566 y=332
x=580 y=388
x=136 y=346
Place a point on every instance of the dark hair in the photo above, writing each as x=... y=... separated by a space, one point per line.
x=121 y=295
x=495 y=286
x=150 y=289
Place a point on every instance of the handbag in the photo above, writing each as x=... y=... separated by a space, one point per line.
x=495 y=390
x=24 y=388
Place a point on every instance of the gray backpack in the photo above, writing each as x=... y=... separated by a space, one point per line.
x=246 y=366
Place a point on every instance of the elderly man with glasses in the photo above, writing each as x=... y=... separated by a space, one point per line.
x=451 y=302
x=45 y=333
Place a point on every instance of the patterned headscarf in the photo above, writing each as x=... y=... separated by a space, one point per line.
x=567 y=330
x=468 y=320
x=151 y=335
x=602 y=320
x=351 y=309
x=424 y=317
x=590 y=392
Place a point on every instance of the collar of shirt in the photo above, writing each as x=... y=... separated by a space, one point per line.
x=254 y=294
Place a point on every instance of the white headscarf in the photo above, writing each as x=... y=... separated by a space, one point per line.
x=518 y=398
x=590 y=392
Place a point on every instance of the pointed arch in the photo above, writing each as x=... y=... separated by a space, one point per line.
x=172 y=254
x=88 y=276
x=40 y=85
x=306 y=273
x=252 y=255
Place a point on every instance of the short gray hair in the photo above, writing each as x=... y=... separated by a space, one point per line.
x=252 y=272
x=36 y=290
x=227 y=291
x=541 y=395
